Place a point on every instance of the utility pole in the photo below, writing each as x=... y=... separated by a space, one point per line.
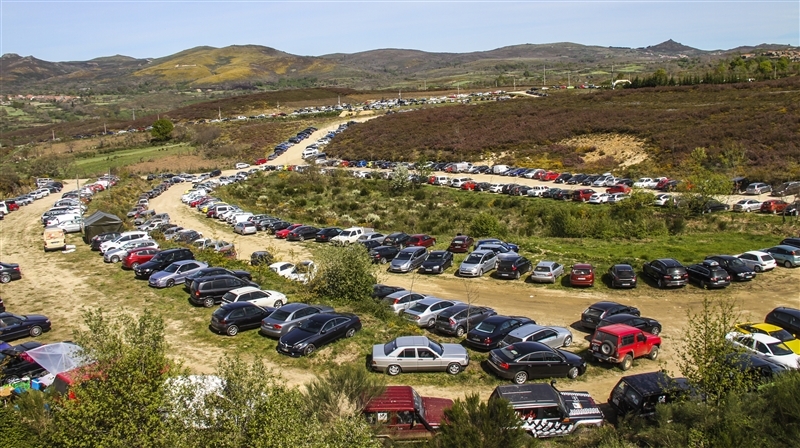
x=544 y=75
x=134 y=114
x=54 y=135
x=219 y=111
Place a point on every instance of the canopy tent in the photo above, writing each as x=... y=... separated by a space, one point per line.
x=58 y=357
x=100 y=222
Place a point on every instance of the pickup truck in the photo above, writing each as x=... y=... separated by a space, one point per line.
x=401 y=413
x=350 y=235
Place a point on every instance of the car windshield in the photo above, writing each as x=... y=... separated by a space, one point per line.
x=311 y=325
x=172 y=268
x=780 y=349
x=435 y=346
x=485 y=327
x=782 y=335
x=736 y=262
x=403 y=256
x=219 y=313
x=229 y=297
x=419 y=308
x=473 y=259
x=279 y=315
x=436 y=256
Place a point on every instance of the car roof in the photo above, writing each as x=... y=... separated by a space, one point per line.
x=394 y=398
x=529 y=347
x=765 y=338
x=582 y=266
x=412 y=249
x=618 y=328
x=234 y=305
x=182 y=262
x=533 y=393
x=622 y=266
x=244 y=289
x=546 y=263
x=400 y=293
x=654 y=382
x=482 y=252
x=508 y=256
x=620 y=317
x=762 y=326
x=412 y=341
x=787 y=310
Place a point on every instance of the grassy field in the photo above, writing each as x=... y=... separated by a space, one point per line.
x=101 y=163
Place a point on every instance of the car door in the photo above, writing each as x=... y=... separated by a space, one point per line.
x=547 y=337
x=252 y=318
x=327 y=333
x=11 y=327
x=259 y=298
x=407 y=359
x=427 y=360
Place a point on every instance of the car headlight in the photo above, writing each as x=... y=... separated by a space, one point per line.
x=301 y=345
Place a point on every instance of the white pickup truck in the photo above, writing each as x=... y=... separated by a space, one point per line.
x=350 y=235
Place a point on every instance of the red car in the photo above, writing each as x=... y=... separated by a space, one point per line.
x=421 y=240
x=620 y=344
x=583 y=194
x=461 y=244
x=469 y=185
x=550 y=175
x=261 y=161
x=138 y=256
x=662 y=184
x=582 y=275
x=773 y=206
x=282 y=234
x=11 y=206
x=619 y=188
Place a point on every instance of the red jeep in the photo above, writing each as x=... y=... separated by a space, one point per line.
x=401 y=413
x=620 y=344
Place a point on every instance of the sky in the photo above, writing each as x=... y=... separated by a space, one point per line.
x=82 y=30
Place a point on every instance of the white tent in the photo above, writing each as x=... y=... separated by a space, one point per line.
x=58 y=357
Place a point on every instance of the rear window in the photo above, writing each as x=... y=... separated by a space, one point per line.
x=485 y=327
x=581 y=271
x=593 y=312
x=542 y=269
x=219 y=313
x=419 y=308
x=602 y=336
x=389 y=348
x=229 y=297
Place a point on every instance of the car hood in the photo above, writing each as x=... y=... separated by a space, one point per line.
x=149 y=265
x=572 y=358
x=295 y=336
x=465 y=265
x=434 y=409
x=396 y=262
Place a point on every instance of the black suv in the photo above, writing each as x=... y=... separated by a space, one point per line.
x=208 y=291
x=639 y=394
x=592 y=316
x=786 y=318
x=790 y=242
x=161 y=260
x=231 y=318
x=734 y=266
x=383 y=254
x=397 y=239
x=709 y=274
x=666 y=272
x=512 y=266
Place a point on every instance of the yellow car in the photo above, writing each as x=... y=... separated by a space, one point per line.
x=772 y=330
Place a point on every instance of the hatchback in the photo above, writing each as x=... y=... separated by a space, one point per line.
x=424 y=312
x=758 y=261
x=601 y=310
x=490 y=332
x=773 y=206
x=709 y=274
x=245 y=228
x=461 y=244
x=282 y=320
x=230 y=318
x=422 y=240
x=622 y=276
x=547 y=272
x=788 y=256
x=512 y=265
x=383 y=254
x=458 y=319
x=555 y=337
x=758 y=188
x=408 y=259
x=175 y=273
x=477 y=263
x=582 y=275
x=437 y=262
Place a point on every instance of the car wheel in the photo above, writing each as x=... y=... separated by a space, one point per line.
x=431 y=323
x=607 y=348
x=653 y=353
x=233 y=330
x=383 y=260
x=454 y=368
x=516 y=276
x=655 y=331
x=703 y=284
x=115 y=259
x=460 y=331
x=5 y=278
x=626 y=363
x=309 y=349
x=393 y=370
x=573 y=373
x=787 y=264
x=35 y=331
x=170 y=283
x=134 y=265
x=208 y=303
x=567 y=341
x=350 y=333
x=480 y=273
x=758 y=268
x=302 y=238
x=278 y=304
x=520 y=377
x=660 y=283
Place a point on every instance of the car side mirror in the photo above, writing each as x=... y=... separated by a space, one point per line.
x=323 y=331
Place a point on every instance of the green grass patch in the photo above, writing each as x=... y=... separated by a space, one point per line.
x=101 y=163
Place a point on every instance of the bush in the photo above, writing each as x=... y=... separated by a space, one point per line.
x=484 y=224
x=345 y=275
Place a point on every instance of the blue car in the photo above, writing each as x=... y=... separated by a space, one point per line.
x=788 y=256
x=14 y=326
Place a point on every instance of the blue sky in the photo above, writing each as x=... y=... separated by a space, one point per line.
x=82 y=30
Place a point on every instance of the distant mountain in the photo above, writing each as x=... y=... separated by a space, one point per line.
x=670 y=47
x=14 y=67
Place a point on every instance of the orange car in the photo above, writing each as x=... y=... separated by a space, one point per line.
x=582 y=275
x=773 y=206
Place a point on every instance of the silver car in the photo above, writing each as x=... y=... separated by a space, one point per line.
x=477 y=263
x=424 y=312
x=289 y=316
x=554 y=337
x=547 y=272
x=408 y=259
x=402 y=300
x=175 y=273
x=418 y=354
x=116 y=255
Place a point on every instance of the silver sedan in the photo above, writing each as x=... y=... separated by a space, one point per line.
x=418 y=354
x=554 y=337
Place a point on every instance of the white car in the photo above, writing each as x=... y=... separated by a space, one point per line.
x=758 y=261
x=122 y=239
x=599 y=198
x=241 y=166
x=663 y=200
x=496 y=188
x=282 y=268
x=747 y=205
x=617 y=197
x=537 y=190
x=765 y=345
x=262 y=298
x=645 y=182
x=303 y=272
x=71 y=225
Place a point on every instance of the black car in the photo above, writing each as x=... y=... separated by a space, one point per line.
x=786 y=318
x=14 y=366
x=714 y=206
x=643 y=323
x=709 y=274
x=208 y=291
x=260 y=257
x=734 y=266
x=316 y=331
x=576 y=179
x=302 y=233
x=324 y=235
x=512 y=265
x=371 y=244
x=263 y=224
x=755 y=366
x=601 y=310
x=233 y=317
x=549 y=192
x=14 y=326
x=639 y=394
x=790 y=242
x=215 y=173
x=212 y=271
x=161 y=260
x=187 y=237
x=523 y=360
x=622 y=276
x=2 y=305
x=278 y=225
x=562 y=195
x=97 y=240
x=666 y=272
x=437 y=262
x=9 y=271
x=563 y=178
x=380 y=291
x=487 y=334
x=383 y=254
x=397 y=239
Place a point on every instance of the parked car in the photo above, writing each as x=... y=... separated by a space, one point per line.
x=734 y=266
x=709 y=274
x=122 y=239
x=747 y=206
x=260 y=257
x=758 y=261
x=16 y=365
x=383 y=254
x=302 y=233
x=788 y=256
x=282 y=320
x=582 y=195
x=379 y=291
x=489 y=333
x=208 y=291
x=15 y=326
x=317 y=331
x=398 y=239
x=9 y=271
x=620 y=344
x=262 y=298
x=161 y=260
x=418 y=354
x=423 y=313
x=461 y=244
x=401 y=413
x=458 y=319
x=245 y=228
x=547 y=271
x=118 y=254
x=640 y=394
x=582 y=274
x=555 y=337
x=510 y=246
x=512 y=265
x=666 y=272
x=400 y=301
x=325 y=234
x=437 y=262
x=794 y=242
x=772 y=330
x=601 y=310
x=713 y=205
x=175 y=273
x=647 y=324
x=97 y=240
x=758 y=188
x=283 y=233
x=421 y=239
x=408 y=259
x=477 y=263
x=215 y=270
x=523 y=360
x=622 y=276
x=773 y=206
x=765 y=345
x=231 y=318
x=786 y=318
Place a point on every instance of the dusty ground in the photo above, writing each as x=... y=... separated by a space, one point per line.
x=626 y=149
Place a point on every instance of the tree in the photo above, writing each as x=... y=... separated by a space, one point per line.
x=701 y=185
x=474 y=423
x=345 y=274
x=399 y=180
x=162 y=130
x=485 y=224
x=342 y=392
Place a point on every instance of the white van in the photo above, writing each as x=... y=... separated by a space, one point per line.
x=499 y=169
x=439 y=180
x=54 y=239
